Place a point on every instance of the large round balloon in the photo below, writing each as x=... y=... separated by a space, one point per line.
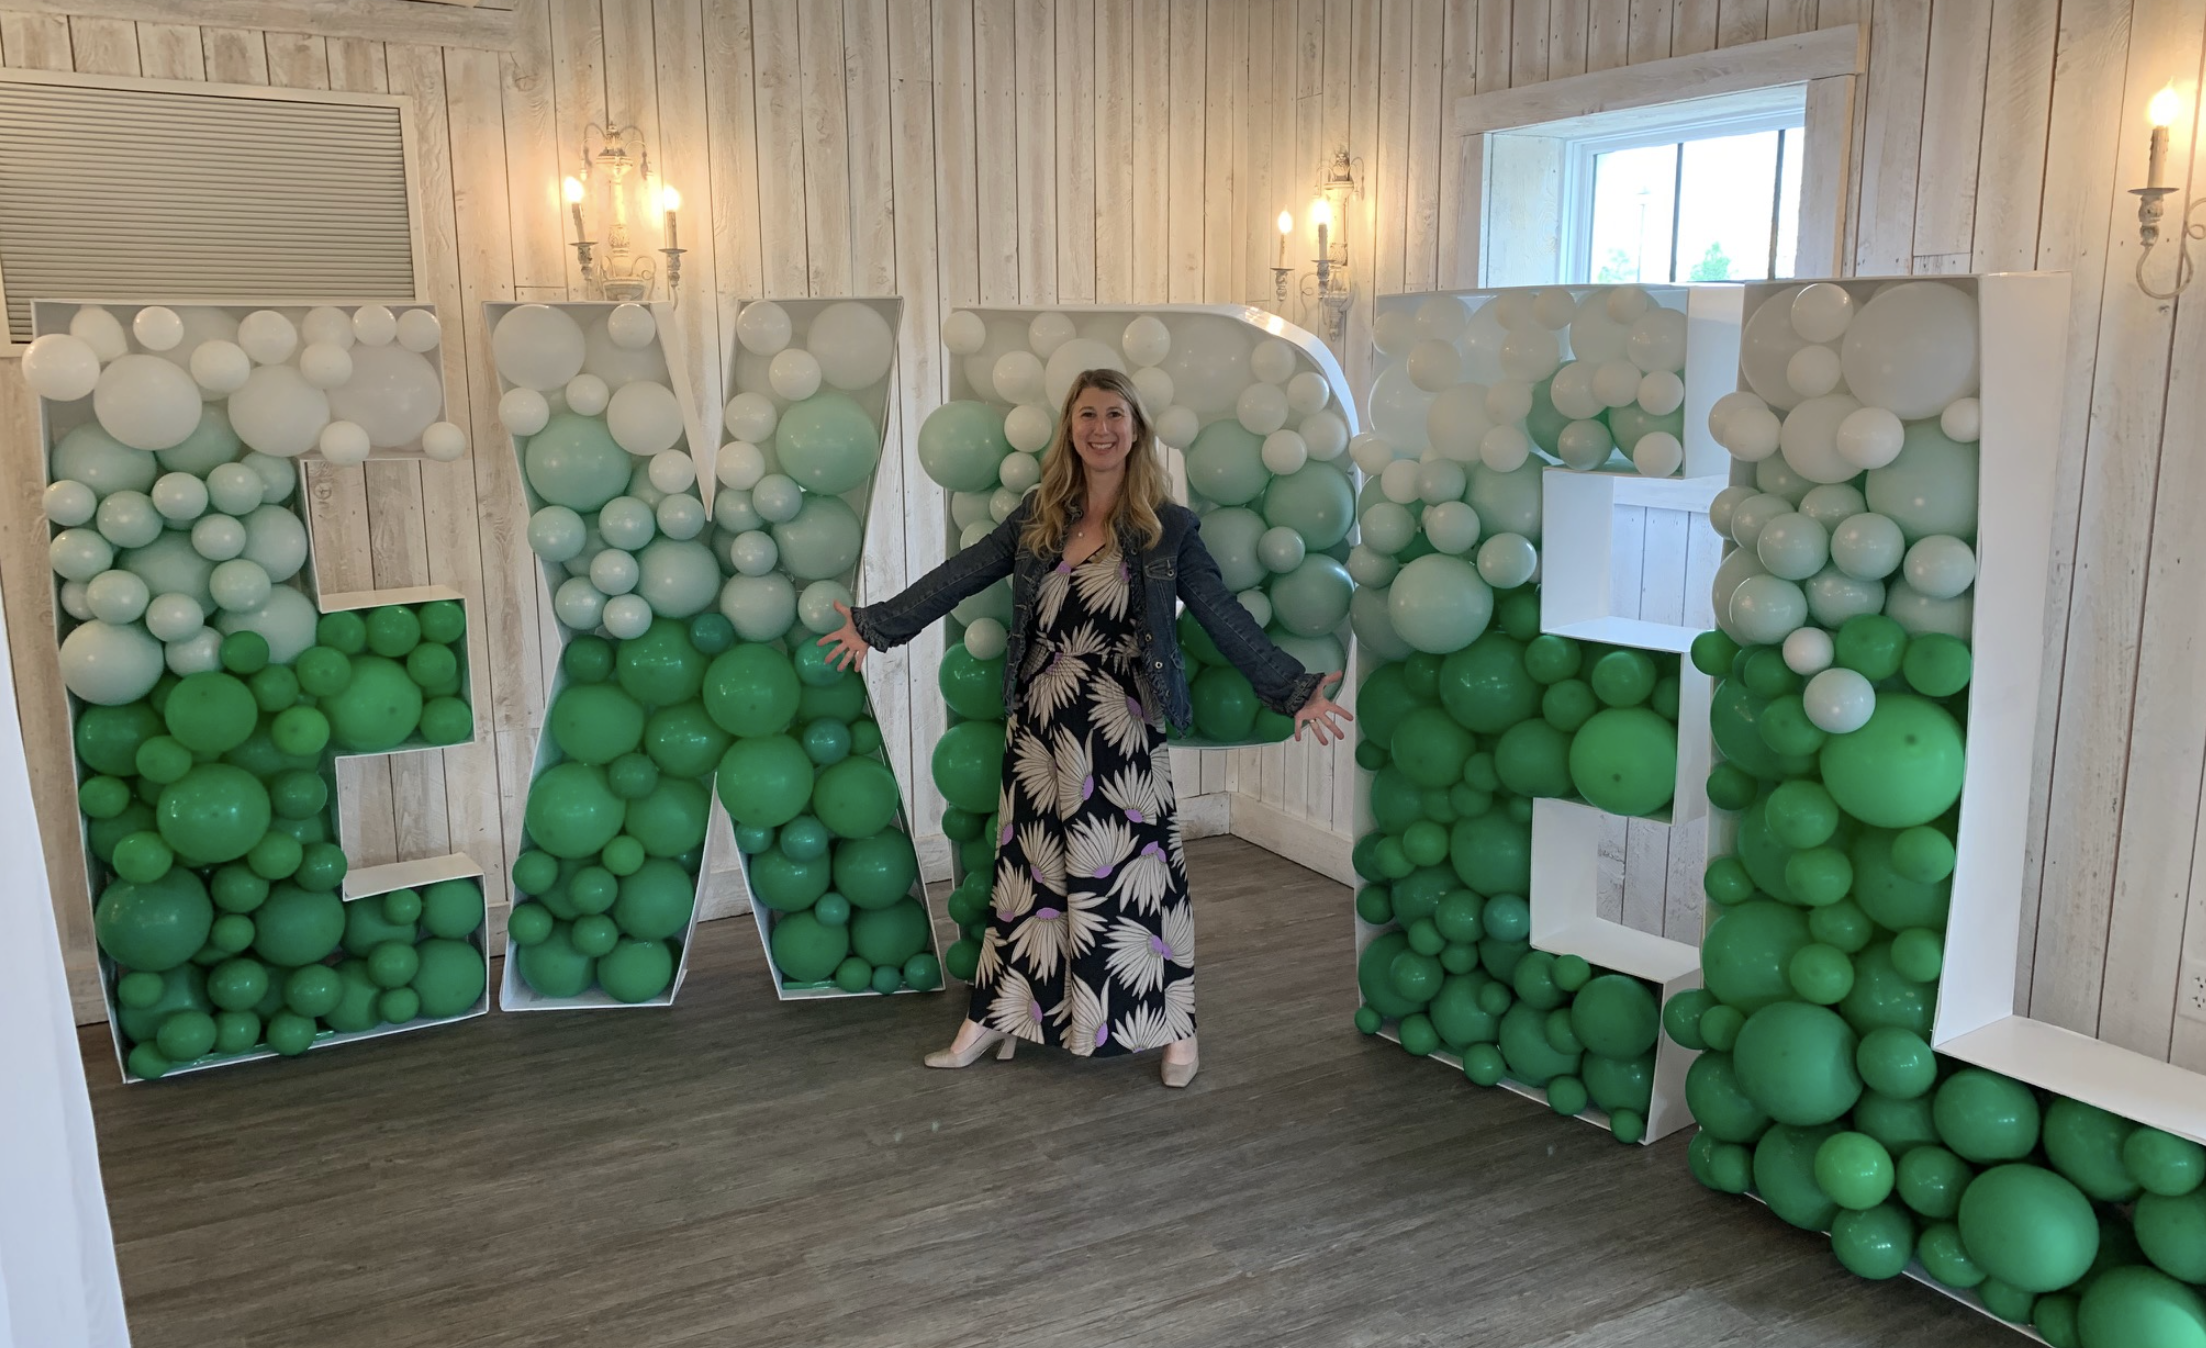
x=2028 y=1227
x=968 y=764
x=574 y=462
x=1904 y=767
x=1930 y=489
x=572 y=812
x=1316 y=501
x=856 y=798
x=213 y=813
x=1439 y=604
x=394 y=395
x=1796 y=1061
x=752 y=690
x=852 y=343
x=154 y=926
x=827 y=443
x=765 y=781
x=1624 y=761
x=821 y=542
x=537 y=346
x=962 y=445
x=1913 y=349
x=1226 y=463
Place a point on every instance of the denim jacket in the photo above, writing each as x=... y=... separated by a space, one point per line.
x=1178 y=569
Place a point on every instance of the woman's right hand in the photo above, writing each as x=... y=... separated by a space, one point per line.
x=847 y=650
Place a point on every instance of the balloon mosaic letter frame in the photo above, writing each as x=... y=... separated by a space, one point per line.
x=338 y=384
x=800 y=488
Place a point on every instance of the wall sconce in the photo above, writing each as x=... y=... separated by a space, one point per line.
x=616 y=170
x=2166 y=106
x=1327 y=283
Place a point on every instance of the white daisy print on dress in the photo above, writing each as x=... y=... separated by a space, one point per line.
x=1145 y=1027
x=1117 y=713
x=1137 y=957
x=1033 y=769
x=1045 y=856
x=1096 y=848
x=990 y=963
x=1013 y=896
x=1145 y=879
x=1015 y=1010
x=1179 y=934
x=1084 y=924
x=1058 y=683
x=1134 y=792
x=1075 y=782
x=1105 y=584
x=1049 y=597
x=1160 y=775
x=1179 y=1010
x=1084 y=1018
x=1039 y=943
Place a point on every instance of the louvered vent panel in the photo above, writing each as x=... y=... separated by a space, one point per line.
x=125 y=193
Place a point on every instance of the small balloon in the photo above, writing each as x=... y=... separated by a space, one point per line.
x=61 y=367
x=444 y=441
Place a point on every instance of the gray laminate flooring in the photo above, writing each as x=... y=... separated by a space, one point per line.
x=740 y=1171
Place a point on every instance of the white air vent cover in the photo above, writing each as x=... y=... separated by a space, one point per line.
x=198 y=191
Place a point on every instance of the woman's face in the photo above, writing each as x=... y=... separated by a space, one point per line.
x=1102 y=430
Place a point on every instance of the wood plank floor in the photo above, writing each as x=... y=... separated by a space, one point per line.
x=739 y=1171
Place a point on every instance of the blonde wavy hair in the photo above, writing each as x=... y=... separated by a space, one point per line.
x=1064 y=484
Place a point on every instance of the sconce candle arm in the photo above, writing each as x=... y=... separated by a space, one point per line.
x=2151 y=209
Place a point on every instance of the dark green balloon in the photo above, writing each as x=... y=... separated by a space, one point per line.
x=1784 y=1175
x=214 y=813
x=973 y=687
x=856 y=798
x=968 y=765
x=767 y=781
x=2028 y=1227
x=807 y=950
x=1747 y=950
x=636 y=971
x=1985 y=1117
x=671 y=819
x=595 y=722
x=1430 y=748
x=786 y=884
x=450 y=978
x=1492 y=853
x=452 y=909
x=1624 y=760
x=1532 y=1059
x=298 y=926
x=1486 y=687
x=1931 y=1179
x=661 y=667
x=751 y=690
x=654 y=903
x=554 y=968
x=572 y=811
x=211 y=713
x=886 y=937
x=876 y=871
x=1876 y=1243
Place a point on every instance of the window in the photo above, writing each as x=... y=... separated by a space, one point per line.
x=1704 y=190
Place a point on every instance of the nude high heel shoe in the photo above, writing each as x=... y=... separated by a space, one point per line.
x=953 y=1058
x=1178 y=1074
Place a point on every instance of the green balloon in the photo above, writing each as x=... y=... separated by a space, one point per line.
x=1415 y=975
x=1855 y=1170
x=1898 y=1062
x=684 y=741
x=2132 y=1307
x=1937 y=665
x=1615 y=1016
x=392 y=631
x=1735 y=721
x=1796 y=1061
x=369 y=925
x=1984 y=1117
x=1876 y=1242
x=237 y=984
x=1312 y=600
x=1316 y=501
x=655 y=903
x=1430 y=747
x=661 y=667
x=1784 y=1175
x=313 y=990
x=595 y=722
x=1931 y=1180
x=1624 y=760
x=1225 y=464
x=236 y=1031
x=2163 y=1163
x=889 y=936
x=1820 y=974
x=1225 y=705
x=214 y=813
x=554 y=968
x=107 y=738
x=574 y=462
x=1944 y=1258
x=968 y=765
x=1745 y=955
x=822 y=541
x=1725 y=1167
x=185 y=1035
x=636 y=971
x=856 y=798
x=1457 y=1016
x=876 y=871
x=767 y=781
x=923 y=972
x=450 y=979
x=572 y=811
x=1533 y=759
x=807 y=950
x=752 y=690
x=211 y=713
x=298 y=926
x=1901 y=769
x=671 y=819
x=154 y=926
x=1901 y=1125
x=290 y=1033
x=1886 y=893
x=452 y=909
x=377 y=710
x=2028 y=1227
x=972 y=687
x=827 y=443
x=1373 y=970
x=962 y=446
x=1533 y=1059
x=394 y=964
x=1880 y=996
x=1485 y=685
x=359 y=1000
x=1492 y=853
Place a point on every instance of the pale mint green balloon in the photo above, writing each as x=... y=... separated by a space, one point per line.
x=1506 y=561
x=592 y=545
x=614 y=572
x=1312 y=599
x=239 y=586
x=1834 y=596
x=278 y=477
x=1451 y=526
x=640 y=485
x=679 y=579
x=733 y=512
x=1439 y=604
x=1833 y=504
x=69 y=504
x=627 y=523
x=1921 y=614
x=993 y=602
x=777 y=498
x=79 y=554
x=816 y=606
x=579 y=604
x=1231 y=534
x=235 y=489
x=681 y=517
x=821 y=543
x=286 y=621
x=1777 y=477
x=211 y=443
x=217 y=538
x=276 y=540
x=1868 y=546
x=556 y=534
x=200 y=653
x=1930 y=488
x=574 y=462
x=1368 y=614
x=1317 y=655
x=627 y=615
x=1940 y=566
x=1752 y=515
x=827 y=443
x=961 y=445
x=127 y=519
x=753 y=553
x=1839 y=701
x=1508 y=503
x=117 y=597
x=103 y=463
x=1767 y=609
x=1226 y=463
x=109 y=664
x=1280 y=549
x=1388 y=527
x=1315 y=500
x=180 y=497
x=761 y=607
x=1793 y=546
x=172 y=617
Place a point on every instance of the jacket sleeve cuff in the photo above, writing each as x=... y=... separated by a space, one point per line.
x=862 y=619
x=1298 y=693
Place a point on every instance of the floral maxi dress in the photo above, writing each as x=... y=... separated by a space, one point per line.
x=1091 y=938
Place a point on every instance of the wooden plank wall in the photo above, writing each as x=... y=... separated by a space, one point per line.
x=1040 y=151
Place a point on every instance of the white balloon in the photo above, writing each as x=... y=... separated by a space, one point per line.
x=1553 y=307
x=1048 y=332
x=1433 y=365
x=1820 y=312
x=752 y=417
x=1870 y=438
x=1572 y=392
x=985 y=638
x=146 y=402
x=1017 y=377
x=1371 y=453
x=1616 y=382
x=328 y=326
x=1656 y=341
x=1176 y=426
x=1394 y=332
x=198 y=654
x=1584 y=445
x=1839 y=701
x=1939 y=566
x=763 y=327
x=1019 y=472
x=220 y=367
x=1209 y=361
x=1594 y=335
x=1530 y=353
x=644 y=418
x=1809 y=440
x=794 y=374
x=1809 y=651
x=1658 y=454
x=444 y=442
x=1506 y=561
x=1285 y=452
x=853 y=345
x=1457 y=422
x=1262 y=408
x=631 y=326
x=343 y=443
x=1155 y=388
x=523 y=411
x=419 y=331
x=1001 y=503
x=1505 y=448
x=61 y=367
x=1442 y=316
x=1029 y=427
x=267 y=336
x=1481 y=343
x=1070 y=360
x=1324 y=434
x=537 y=346
x=1913 y=349
x=1508 y=400
x=157 y=328
x=1627 y=302
x=374 y=324
x=1661 y=393
x=326 y=365
x=1813 y=371
x=1307 y=392
x=393 y=393
x=1146 y=341
x=1766 y=347
x=739 y=466
x=102 y=331
x=587 y=395
x=1398 y=480
x=1962 y=421
x=1273 y=361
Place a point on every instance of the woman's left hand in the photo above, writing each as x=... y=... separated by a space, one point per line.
x=1319 y=711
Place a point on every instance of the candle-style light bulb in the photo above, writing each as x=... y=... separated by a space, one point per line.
x=1286 y=227
x=572 y=187
x=2165 y=107
x=670 y=201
